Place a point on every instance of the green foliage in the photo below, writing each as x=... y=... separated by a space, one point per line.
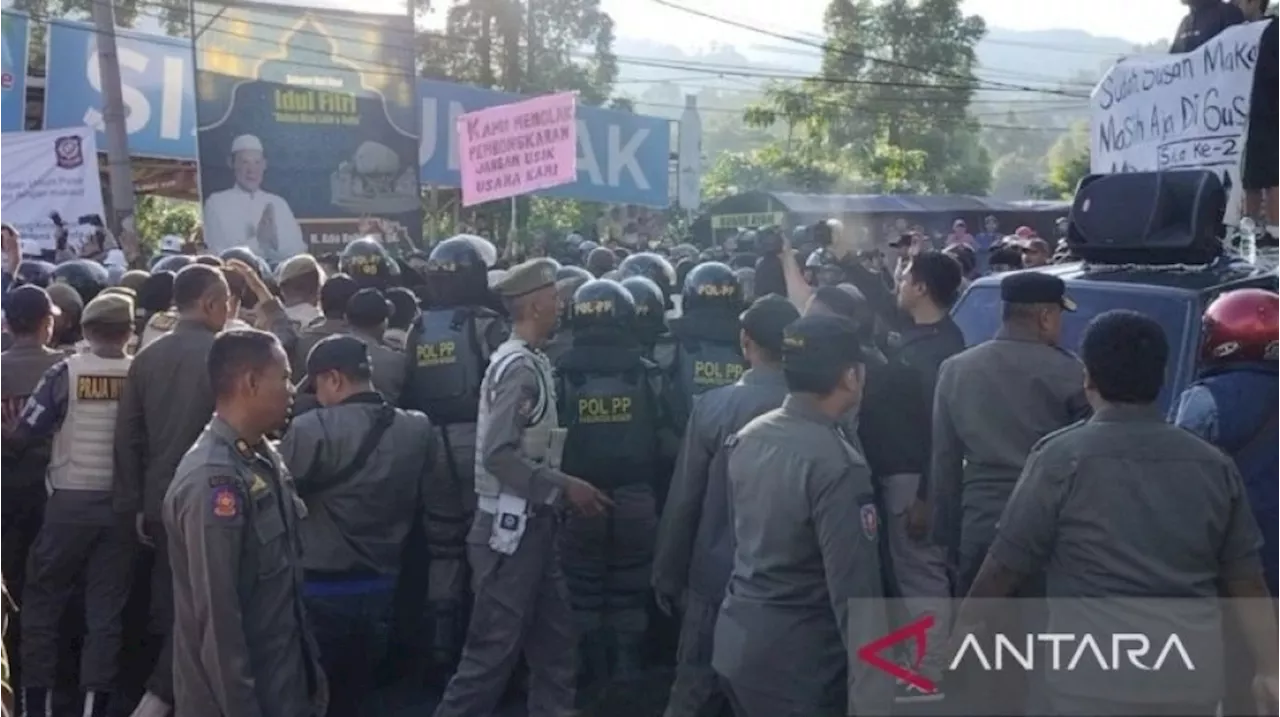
x=890 y=101
x=1069 y=161
x=157 y=216
x=525 y=47
x=772 y=169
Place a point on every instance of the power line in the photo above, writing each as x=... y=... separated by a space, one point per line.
x=826 y=47
x=730 y=110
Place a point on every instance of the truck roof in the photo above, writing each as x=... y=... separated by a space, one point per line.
x=1174 y=295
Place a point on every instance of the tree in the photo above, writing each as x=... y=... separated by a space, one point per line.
x=1069 y=161
x=531 y=47
x=156 y=216
x=891 y=97
x=772 y=168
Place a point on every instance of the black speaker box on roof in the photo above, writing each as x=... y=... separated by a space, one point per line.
x=1169 y=217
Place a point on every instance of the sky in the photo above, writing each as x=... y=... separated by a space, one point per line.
x=1133 y=20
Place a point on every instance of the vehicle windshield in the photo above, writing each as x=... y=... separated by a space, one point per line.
x=978 y=316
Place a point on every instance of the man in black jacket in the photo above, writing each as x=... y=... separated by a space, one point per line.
x=1204 y=20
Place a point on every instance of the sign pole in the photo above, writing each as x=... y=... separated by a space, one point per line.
x=119 y=173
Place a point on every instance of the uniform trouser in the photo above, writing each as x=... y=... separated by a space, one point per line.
x=23 y=514
x=748 y=702
x=920 y=568
x=451 y=501
x=63 y=554
x=160 y=683
x=696 y=690
x=352 y=629
x=607 y=563
x=521 y=606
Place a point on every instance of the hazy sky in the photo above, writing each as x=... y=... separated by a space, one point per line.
x=1134 y=20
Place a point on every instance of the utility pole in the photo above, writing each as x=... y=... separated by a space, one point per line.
x=119 y=172
x=530 y=52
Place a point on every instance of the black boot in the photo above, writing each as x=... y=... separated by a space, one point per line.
x=95 y=704
x=36 y=702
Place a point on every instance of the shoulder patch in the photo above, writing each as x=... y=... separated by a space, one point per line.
x=869 y=517
x=225 y=502
x=163 y=321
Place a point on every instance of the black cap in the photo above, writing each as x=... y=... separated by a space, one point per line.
x=1035 y=287
x=368 y=307
x=820 y=342
x=29 y=304
x=766 y=318
x=340 y=352
x=903 y=240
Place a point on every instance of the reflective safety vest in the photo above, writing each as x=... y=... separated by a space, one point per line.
x=542 y=415
x=82 y=449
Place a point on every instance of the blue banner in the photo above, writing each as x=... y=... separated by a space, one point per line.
x=14 y=101
x=156 y=78
x=623 y=158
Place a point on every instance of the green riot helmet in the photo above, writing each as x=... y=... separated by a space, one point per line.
x=86 y=277
x=651 y=307
x=367 y=262
x=712 y=286
x=651 y=265
x=456 y=273
x=601 y=305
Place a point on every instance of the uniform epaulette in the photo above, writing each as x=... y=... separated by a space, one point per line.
x=163 y=321
x=1055 y=434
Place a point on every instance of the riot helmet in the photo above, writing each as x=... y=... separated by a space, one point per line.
x=601 y=261
x=33 y=271
x=650 y=306
x=86 y=277
x=245 y=254
x=652 y=265
x=712 y=286
x=366 y=261
x=602 y=305
x=171 y=262
x=568 y=279
x=457 y=272
x=573 y=272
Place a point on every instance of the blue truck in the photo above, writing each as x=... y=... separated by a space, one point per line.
x=1174 y=295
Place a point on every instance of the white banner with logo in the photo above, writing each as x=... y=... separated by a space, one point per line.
x=46 y=172
x=1181 y=111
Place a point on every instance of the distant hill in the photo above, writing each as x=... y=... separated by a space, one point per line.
x=1044 y=58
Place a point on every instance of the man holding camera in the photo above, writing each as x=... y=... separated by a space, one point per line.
x=94 y=247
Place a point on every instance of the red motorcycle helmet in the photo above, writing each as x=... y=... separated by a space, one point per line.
x=1242 y=325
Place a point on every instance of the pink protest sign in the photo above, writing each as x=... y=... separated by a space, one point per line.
x=514 y=149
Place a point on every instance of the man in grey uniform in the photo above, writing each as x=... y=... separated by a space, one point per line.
x=1125 y=504
x=241 y=645
x=334 y=295
x=521 y=603
x=367 y=314
x=807 y=583
x=360 y=465
x=993 y=402
x=693 y=555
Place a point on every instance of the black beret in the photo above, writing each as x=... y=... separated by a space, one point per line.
x=1035 y=287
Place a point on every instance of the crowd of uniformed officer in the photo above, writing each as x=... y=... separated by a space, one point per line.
x=460 y=471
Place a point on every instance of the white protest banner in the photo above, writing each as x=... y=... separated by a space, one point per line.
x=43 y=172
x=1182 y=111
